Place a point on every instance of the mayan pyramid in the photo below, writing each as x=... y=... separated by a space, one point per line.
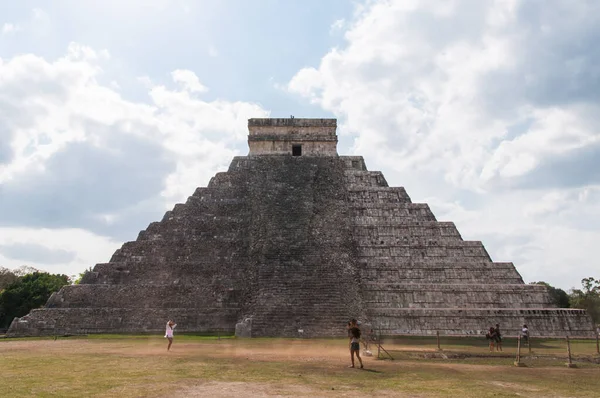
x=293 y=240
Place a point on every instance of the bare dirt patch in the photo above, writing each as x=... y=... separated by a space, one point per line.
x=234 y=389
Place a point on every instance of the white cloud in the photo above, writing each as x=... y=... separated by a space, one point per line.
x=9 y=28
x=37 y=21
x=76 y=155
x=90 y=248
x=337 y=25
x=145 y=81
x=188 y=80
x=486 y=103
x=40 y=14
x=212 y=51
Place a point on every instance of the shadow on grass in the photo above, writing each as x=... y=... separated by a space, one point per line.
x=372 y=370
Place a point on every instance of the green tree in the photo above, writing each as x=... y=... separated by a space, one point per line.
x=26 y=293
x=588 y=297
x=558 y=296
x=7 y=277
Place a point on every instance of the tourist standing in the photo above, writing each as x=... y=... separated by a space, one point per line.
x=498 y=338
x=525 y=333
x=169 y=333
x=355 y=343
x=491 y=336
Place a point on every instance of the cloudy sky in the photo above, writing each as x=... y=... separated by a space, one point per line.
x=487 y=110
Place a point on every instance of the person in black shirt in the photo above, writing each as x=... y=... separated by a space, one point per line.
x=498 y=338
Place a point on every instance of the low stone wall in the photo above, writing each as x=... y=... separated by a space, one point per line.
x=550 y=322
x=75 y=321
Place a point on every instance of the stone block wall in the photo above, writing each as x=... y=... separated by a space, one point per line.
x=279 y=244
x=317 y=137
x=419 y=276
x=542 y=322
x=96 y=320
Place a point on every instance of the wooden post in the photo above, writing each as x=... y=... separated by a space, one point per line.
x=437 y=333
x=518 y=361
x=597 y=343
x=569 y=364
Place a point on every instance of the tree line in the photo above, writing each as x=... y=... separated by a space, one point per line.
x=24 y=289
x=587 y=298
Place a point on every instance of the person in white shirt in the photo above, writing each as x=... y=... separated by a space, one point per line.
x=169 y=333
x=525 y=333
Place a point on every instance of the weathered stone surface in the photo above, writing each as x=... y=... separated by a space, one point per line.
x=282 y=243
x=473 y=321
x=314 y=137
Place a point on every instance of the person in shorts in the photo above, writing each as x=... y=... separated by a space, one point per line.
x=491 y=336
x=355 y=344
x=169 y=333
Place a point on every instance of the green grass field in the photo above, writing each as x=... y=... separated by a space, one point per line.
x=198 y=366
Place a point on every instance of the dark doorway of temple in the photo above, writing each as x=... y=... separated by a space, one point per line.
x=296 y=150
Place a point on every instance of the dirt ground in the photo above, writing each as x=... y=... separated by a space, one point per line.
x=280 y=368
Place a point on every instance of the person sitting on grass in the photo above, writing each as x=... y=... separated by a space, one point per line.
x=355 y=344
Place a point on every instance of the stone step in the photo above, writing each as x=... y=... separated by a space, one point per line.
x=74 y=321
x=422 y=295
x=154 y=296
x=359 y=178
x=433 y=287
x=377 y=190
x=410 y=229
x=354 y=163
x=442 y=275
x=457 y=252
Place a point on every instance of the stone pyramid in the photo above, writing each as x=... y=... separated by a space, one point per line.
x=293 y=240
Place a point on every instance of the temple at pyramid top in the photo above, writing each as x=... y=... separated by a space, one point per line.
x=296 y=137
